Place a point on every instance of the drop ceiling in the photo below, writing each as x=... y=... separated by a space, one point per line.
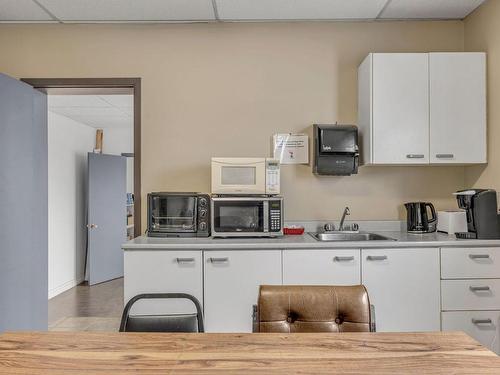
x=96 y=11
x=97 y=111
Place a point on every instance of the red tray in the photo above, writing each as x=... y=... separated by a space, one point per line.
x=293 y=231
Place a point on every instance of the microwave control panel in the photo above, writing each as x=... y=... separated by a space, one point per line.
x=275 y=216
x=272 y=176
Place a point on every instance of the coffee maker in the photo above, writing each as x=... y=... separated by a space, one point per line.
x=481 y=208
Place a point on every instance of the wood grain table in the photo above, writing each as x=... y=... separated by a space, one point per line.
x=265 y=353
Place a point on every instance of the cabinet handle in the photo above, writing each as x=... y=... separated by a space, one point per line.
x=479 y=288
x=481 y=321
x=342 y=259
x=376 y=257
x=445 y=156
x=219 y=260
x=479 y=256
x=415 y=156
x=185 y=260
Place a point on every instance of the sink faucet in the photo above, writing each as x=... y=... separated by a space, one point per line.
x=346 y=212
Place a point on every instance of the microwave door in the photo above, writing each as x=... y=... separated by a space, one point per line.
x=239 y=217
x=238 y=177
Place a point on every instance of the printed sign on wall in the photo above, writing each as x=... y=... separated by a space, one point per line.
x=291 y=148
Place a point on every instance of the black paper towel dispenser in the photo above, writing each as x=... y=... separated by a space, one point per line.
x=336 y=151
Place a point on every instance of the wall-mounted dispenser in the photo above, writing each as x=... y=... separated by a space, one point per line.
x=336 y=151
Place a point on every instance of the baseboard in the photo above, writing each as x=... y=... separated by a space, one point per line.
x=64 y=287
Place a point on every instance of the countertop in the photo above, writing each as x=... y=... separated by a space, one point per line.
x=305 y=241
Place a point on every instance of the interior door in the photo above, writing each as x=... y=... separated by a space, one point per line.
x=106 y=216
x=23 y=207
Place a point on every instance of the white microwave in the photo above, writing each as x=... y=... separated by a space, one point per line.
x=245 y=176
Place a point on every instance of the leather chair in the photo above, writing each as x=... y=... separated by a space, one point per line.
x=295 y=308
x=162 y=323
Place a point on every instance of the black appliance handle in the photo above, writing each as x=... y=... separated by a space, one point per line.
x=433 y=211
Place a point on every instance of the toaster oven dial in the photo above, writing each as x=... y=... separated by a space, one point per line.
x=203 y=213
x=203 y=226
x=203 y=202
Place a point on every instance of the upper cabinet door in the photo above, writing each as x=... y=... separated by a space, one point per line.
x=400 y=108
x=457 y=107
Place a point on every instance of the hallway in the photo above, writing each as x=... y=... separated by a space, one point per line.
x=88 y=308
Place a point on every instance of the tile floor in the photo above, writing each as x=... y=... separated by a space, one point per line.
x=88 y=308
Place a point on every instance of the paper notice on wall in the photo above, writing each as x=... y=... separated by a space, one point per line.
x=291 y=148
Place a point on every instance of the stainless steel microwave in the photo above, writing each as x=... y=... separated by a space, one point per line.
x=233 y=216
x=245 y=176
x=178 y=215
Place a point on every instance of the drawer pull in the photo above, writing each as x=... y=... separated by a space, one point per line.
x=342 y=259
x=185 y=260
x=219 y=260
x=479 y=288
x=376 y=257
x=481 y=321
x=445 y=156
x=415 y=156
x=479 y=256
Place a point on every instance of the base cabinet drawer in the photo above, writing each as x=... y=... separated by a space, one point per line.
x=481 y=325
x=474 y=263
x=321 y=267
x=232 y=280
x=475 y=294
x=153 y=271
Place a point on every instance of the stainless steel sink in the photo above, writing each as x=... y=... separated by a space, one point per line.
x=339 y=236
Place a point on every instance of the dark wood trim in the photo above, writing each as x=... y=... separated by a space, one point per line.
x=45 y=84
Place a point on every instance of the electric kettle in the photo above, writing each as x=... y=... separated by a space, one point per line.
x=418 y=219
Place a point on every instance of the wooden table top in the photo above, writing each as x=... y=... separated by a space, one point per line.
x=169 y=353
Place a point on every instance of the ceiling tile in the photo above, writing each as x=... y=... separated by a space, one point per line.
x=130 y=10
x=22 y=10
x=298 y=9
x=428 y=9
x=105 y=121
x=87 y=111
x=76 y=101
x=121 y=101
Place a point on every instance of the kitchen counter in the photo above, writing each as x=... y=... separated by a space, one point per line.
x=305 y=241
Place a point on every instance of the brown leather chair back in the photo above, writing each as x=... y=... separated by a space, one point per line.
x=291 y=308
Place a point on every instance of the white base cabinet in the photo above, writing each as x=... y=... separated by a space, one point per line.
x=156 y=271
x=470 y=293
x=403 y=285
x=321 y=267
x=412 y=289
x=232 y=280
x=481 y=325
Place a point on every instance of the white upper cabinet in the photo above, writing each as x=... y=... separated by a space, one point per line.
x=421 y=108
x=400 y=108
x=457 y=107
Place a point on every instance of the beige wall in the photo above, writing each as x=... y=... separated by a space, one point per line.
x=482 y=33
x=224 y=89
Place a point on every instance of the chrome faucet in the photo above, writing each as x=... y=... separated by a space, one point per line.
x=346 y=212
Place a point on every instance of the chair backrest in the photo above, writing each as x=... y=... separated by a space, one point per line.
x=295 y=308
x=162 y=323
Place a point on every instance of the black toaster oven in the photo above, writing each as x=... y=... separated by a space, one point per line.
x=178 y=214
